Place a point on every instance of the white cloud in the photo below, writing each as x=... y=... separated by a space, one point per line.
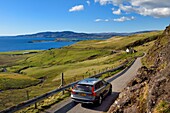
x=102 y=20
x=154 y=8
x=122 y=19
x=98 y=20
x=76 y=8
x=106 y=20
x=118 y=12
x=151 y=3
x=156 y=12
x=104 y=2
x=127 y=8
x=88 y=2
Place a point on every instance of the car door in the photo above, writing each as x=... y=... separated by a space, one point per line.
x=106 y=87
x=100 y=88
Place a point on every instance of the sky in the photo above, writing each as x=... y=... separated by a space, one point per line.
x=89 y=16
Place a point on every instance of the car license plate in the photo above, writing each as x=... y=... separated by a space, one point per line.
x=82 y=94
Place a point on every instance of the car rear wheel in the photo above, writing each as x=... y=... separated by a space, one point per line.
x=110 y=91
x=100 y=100
x=74 y=102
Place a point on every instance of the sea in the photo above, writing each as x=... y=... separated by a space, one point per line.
x=25 y=43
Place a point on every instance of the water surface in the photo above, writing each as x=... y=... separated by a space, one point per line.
x=24 y=43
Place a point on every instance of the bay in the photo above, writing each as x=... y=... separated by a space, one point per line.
x=25 y=43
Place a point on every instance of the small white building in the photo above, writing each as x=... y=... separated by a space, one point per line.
x=131 y=50
x=127 y=50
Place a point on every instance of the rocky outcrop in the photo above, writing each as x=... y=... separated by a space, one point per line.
x=149 y=91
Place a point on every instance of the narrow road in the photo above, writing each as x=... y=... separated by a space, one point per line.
x=119 y=82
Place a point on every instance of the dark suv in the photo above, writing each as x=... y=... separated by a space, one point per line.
x=91 y=90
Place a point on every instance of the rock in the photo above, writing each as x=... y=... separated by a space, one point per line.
x=132 y=109
x=151 y=84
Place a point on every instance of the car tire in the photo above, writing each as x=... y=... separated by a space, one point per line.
x=100 y=100
x=110 y=91
x=74 y=102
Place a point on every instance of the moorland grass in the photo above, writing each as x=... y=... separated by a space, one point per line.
x=16 y=81
x=115 y=43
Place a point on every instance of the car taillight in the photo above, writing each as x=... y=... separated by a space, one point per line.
x=73 y=92
x=93 y=93
x=73 y=89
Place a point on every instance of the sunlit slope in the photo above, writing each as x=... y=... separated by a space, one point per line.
x=16 y=81
x=118 y=42
x=40 y=72
x=80 y=55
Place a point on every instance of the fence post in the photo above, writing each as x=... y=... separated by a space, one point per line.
x=35 y=106
x=27 y=92
x=62 y=81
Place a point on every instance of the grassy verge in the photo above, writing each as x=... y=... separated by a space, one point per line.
x=162 y=107
x=45 y=104
x=16 y=81
x=20 y=52
x=143 y=99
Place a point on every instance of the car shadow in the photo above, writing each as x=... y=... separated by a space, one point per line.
x=66 y=108
x=107 y=102
x=104 y=107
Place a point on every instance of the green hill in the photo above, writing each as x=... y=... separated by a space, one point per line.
x=76 y=62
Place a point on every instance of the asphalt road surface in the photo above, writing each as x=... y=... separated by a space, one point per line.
x=118 y=81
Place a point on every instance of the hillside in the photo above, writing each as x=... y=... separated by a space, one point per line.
x=149 y=91
x=43 y=68
x=74 y=35
x=118 y=42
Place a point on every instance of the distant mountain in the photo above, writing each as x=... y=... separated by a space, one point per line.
x=70 y=34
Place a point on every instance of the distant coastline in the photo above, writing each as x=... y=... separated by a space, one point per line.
x=47 y=40
x=22 y=43
x=57 y=40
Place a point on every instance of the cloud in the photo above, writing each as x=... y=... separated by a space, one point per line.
x=104 y=2
x=98 y=20
x=122 y=19
x=102 y=20
x=127 y=9
x=76 y=8
x=156 y=12
x=151 y=3
x=88 y=3
x=106 y=20
x=118 y=12
x=154 y=8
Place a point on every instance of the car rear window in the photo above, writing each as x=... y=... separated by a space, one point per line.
x=86 y=88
